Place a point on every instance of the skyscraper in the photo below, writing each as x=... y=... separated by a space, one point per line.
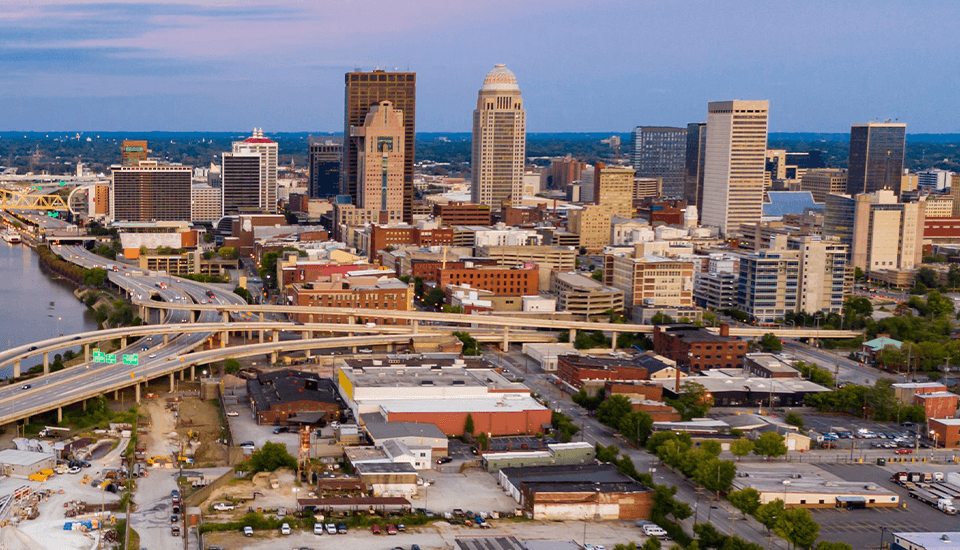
x=499 y=140
x=150 y=192
x=876 y=156
x=614 y=187
x=267 y=149
x=661 y=152
x=240 y=182
x=734 y=163
x=325 y=157
x=693 y=173
x=363 y=91
x=380 y=155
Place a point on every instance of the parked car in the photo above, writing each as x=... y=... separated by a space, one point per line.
x=248 y=445
x=375 y=529
x=342 y=528
x=233 y=413
x=391 y=529
x=281 y=430
x=248 y=531
x=285 y=529
x=224 y=506
x=332 y=528
x=445 y=460
x=904 y=451
x=318 y=528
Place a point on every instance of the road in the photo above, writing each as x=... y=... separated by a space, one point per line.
x=844 y=369
x=724 y=517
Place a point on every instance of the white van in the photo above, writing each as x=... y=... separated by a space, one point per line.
x=653 y=531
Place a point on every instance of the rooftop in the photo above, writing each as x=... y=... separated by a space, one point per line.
x=721 y=382
x=575 y=473
x=428 y=375
x=917 y=385
x=935 y=394
x=931 y=540
x=285 y=386
x=22 y=458
x=882 y=342
x=367 y=468
x=946 y=421
x=490 y=543
x=493 y=403
x=690 y=333
x=379 y=429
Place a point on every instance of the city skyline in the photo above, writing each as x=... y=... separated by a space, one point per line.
x=185 y=66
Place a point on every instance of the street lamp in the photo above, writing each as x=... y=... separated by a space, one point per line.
x=58 y=326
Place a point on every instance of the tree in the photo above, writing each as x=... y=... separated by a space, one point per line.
x=243 y=293
x=770 y=343
x=652 y=543
x=268 y=268
x=94 y=277
x=741 y=447
x=694 y=401
x=231 y=253
x=659 y=439
x=770 y=445
x=767 y=514
x=953 y=276
x=715 y=474
x=661 y=318
x=926 y=276
x=231 y=366
x=859 y=275
x=826 y=545
x=587 y=401
x=664 y=503
x=636 y=426
x=435 y=297
x=597 y=275
x=270 y=457
x=797 y=527
x=746 y=500
x=468 y=425
x=613 y=409
x=711 y=447
x=794 y=419
x=939 y=305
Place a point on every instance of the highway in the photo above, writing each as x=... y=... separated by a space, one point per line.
x=843 y=369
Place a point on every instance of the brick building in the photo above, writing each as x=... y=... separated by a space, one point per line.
x=382 y=236
x=581 y=370
x=429 y=270
x=665 y=211
x=314 y=271
x=936 y=400
x=289 y=396
x=462 y=213
x=351 y=292
x=514 y=216
x=696 y=349
x=946 y=432
x=501 y=281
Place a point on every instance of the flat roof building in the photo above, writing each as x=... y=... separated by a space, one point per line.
x=289 y=396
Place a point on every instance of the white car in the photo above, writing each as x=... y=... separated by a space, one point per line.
x=332 y=528
x=654 y=531
x=318 y=528
x=248 y=531
x=223 y=507
x=74 y=470
x=285 y=529
x=233 y=413
x=152 y=356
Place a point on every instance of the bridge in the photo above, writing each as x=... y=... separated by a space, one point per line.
x=16 y=200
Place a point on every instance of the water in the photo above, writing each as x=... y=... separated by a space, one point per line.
x=32 y=305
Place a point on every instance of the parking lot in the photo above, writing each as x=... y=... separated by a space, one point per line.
x=853 y=526
x=244 y=428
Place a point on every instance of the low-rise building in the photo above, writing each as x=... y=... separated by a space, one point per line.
x=577 y=492
x=547 y=355
x=411 y=434
x=807 y=491
x=22 y=464
x=768 y=365
x=731 y=388
x=928 y=540
x=365 y=290
x=556 y=454
x=696 y=348
x=292 y=397
x=390 y=479
x=501 y=281
x=584 y=370
x=945 y=432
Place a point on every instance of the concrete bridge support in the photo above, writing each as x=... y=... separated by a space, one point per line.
x=193 y=373
x=136 y=389
x=183 y=375
x=46 y=362
x=59 y=415
x=307 y=335
x=573 y=335
x=506 y=339
x=261 y=336
x=276 y=336
x=166 y=339
x=416 y=326
x=173 y=380
x=16 y=368
x=123 y=342
x=116 y=395
x=226 y=317
x=613 y=341
x=274 y=357
x=224 y=338
x=86 y=353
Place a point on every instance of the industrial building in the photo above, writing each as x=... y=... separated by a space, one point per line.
x=444 y=396
x=933 y=540
x=732 y=388
x=556 y=454
x=289 y=396
x=806 y=490
x=696 y=348
x=391 y=479
x=21 y=464
x=580 y=492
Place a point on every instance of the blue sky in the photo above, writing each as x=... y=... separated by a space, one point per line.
x=583 y=66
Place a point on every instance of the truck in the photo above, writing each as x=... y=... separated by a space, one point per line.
x=50 y=431
x=943 y=504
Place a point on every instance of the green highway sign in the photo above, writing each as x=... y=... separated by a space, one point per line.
x=100 y=357
x=130 y=359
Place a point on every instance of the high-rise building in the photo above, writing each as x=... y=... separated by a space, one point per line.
x=734 y=163
x=887 y=234
x=380 y=155
x=661 y=152
x=838 y=216
x=150 y=192
x=240 y=182
x=363 y=90
x=876 y=157
x=823 y=181
x=614 y=187
x=693 y=173
x=132 y=152
x=325 y=157
x=205 y=203
x=935 y=181
x=795 y=274
x=592 y=224
x=499 y=140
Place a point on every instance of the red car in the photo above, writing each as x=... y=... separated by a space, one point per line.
x=391 y=529
x=904 y=451
x=375 y=529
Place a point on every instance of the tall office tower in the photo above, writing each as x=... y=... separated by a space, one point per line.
x=132 y=152
x=362 y=92
x=150 y=192
x=876 y=156
x=380 y=156
x=499 y=140
x=823 y=181
x=661 y=152
x=325 y=157
x=240 y=182
x=693 y=173
x=734 y=163
x=613 y=187
x=267 y=149
x=887 y=234
x=838 y=215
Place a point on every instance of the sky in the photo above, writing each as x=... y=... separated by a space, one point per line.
x=583 y=66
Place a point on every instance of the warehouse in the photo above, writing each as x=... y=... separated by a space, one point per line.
x=934 y=540
x=445 y=396
x=579 y=452
x=805 y=490
x=392 y=479
x=16 y=463
x=577 y=492
x=289 y=396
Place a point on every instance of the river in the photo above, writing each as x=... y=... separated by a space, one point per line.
x=33 y=306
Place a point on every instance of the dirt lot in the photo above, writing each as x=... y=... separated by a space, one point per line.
x=202 y=417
